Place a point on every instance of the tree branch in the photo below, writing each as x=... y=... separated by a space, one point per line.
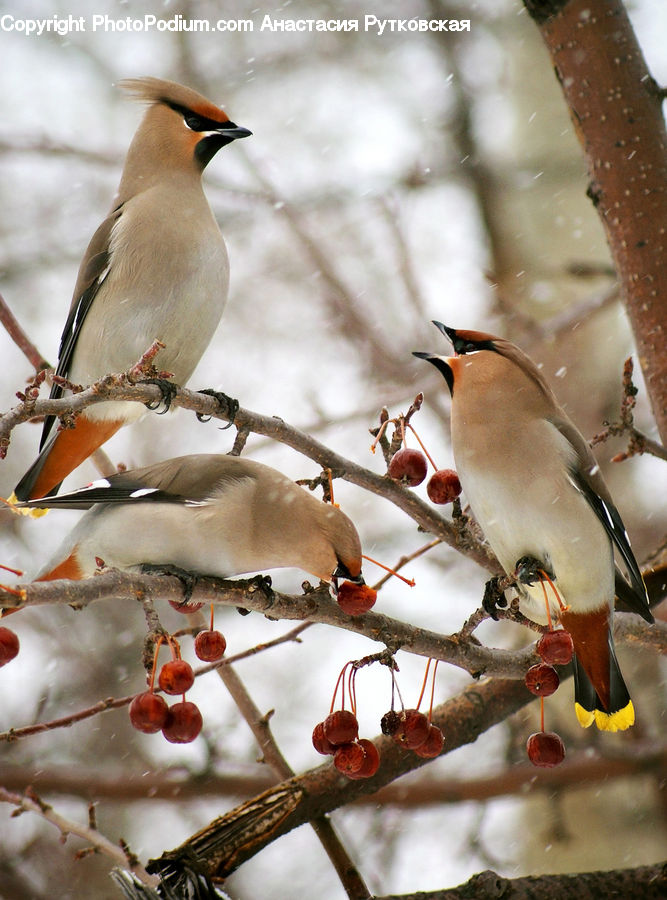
x=176 y=785
x=642 y=883
x=30 y=802
x=314 y=606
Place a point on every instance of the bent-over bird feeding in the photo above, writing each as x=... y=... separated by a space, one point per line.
x=208 y=514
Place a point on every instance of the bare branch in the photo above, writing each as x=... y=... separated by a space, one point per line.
x=313 y=606
x=30 y=802
x=580 y=769
x=642 y=883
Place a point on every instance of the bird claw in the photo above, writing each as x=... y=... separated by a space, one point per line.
x=227 y=405
x=168 y=391
x=529 y=569
x=188 y=579
x=494 y=597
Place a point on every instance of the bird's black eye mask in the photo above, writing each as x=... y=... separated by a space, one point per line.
x=466 y=341
x=197 y=122
x=463 y=345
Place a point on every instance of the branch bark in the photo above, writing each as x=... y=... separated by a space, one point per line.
x=313 y=606
x=642 y=883
x=616 y=108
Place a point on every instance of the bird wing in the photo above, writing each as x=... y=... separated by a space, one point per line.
x=92 y=272
x=586 y=478
x=191 y=480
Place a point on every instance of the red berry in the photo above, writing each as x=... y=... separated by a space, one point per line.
x=341 y=727
x=356 y=599
x=148 y=712
x=545 y=749
x=408 y=466
x=349 y=758
x=185 y=606
x=542 y=680
x=184 y=722
x=412 y=730
x=443 y=486
x=210 y=645
x=556 y=647
x=320 y=742
x=371 y=761
x=389 y=722
x=176 y=677
x=9 y=645
x=433 y=744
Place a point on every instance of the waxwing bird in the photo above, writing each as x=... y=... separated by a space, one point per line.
x=205 y=513
x=536 y=490
x=155 y=269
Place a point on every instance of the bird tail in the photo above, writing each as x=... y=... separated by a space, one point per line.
x=62 y=454
x=588 y=706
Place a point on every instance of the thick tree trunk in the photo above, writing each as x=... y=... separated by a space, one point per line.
x=616 y=108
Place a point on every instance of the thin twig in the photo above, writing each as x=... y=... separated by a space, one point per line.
x=20 y=338
x=638 y=442
x=30 y=802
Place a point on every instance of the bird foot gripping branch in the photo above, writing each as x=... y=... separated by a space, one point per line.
x=229 y=407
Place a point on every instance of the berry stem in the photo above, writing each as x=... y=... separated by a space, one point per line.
x=352 y=688
x=378 y=436
x=335 y=693
x=212 y=613
x=13 y=571
x=562 y=606
x=158 y=644
x=546 y=603
x=430 y=709
x=542 y=713
x=421 y=695
x=408 y=581
x=419 y=441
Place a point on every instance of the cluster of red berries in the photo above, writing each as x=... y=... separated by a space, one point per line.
x=545 y=748
x=410 y=467
x=9 y=645
x=355 y=599
x=414 y=731
x=181 y=722
x=338 y=736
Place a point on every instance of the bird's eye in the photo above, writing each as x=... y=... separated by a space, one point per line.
x=194 y=122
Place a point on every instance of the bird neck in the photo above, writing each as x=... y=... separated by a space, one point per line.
x=161 y=149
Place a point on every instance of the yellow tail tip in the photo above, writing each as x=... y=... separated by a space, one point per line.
x=584 y=716
x=24 y=511
x=617 y=721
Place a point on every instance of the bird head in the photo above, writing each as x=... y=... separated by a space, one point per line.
x=506 y=362
x=181 y=128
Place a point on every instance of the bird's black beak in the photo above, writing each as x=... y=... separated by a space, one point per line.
x=232 y=132
x=442 y=365
x=341 y=573
x=449 y=333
